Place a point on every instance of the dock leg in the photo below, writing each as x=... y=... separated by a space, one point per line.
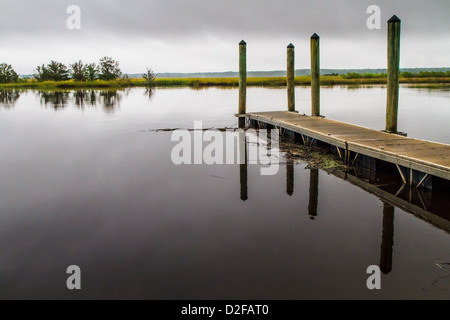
x=401 y=174
x=422 y=181
x=354 y=159
x=339 y=152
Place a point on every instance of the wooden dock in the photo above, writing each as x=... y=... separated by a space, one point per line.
x=415 y=159
x=429 y=158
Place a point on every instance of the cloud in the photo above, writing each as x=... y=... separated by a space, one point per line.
x=181 y=18
x=182 y=27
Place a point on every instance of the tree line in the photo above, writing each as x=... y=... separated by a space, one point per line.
x=107 y=69
x=421 y=74
x=7 y=74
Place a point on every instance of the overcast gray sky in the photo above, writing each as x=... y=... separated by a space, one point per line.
x=203 y=35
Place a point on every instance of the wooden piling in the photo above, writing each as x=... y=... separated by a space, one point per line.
x=242 y=81
x=290 y=77
x=315 y=75
x=393 y=73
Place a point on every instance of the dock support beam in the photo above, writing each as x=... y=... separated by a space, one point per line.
x=242 y=82
x=315 y=76
x=291 y=77
x=393 y=73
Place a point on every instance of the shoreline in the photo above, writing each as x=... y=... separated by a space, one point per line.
x=429 y=82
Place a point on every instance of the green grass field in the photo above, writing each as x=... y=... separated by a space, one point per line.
x=219 y=82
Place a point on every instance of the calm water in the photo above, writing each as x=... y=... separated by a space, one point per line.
x=86 y=181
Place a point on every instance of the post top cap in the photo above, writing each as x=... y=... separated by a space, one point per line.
x=394 y=19
x=242 y=43
x=290 y=46
x=315 y=36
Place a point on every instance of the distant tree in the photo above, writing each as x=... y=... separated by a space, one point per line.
x=109 y=69
x=352 y=75
x=7 y=73
x=58 y=71
x=91 y=72
x=41 y=73
x=54 y=71
x=407 y=74
x=78 y=71
x=149 y=77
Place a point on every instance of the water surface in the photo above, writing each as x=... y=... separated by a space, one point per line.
x=86 y=180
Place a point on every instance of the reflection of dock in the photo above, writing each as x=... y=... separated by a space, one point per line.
x=435 y=219
x=390 y=202
x=416 y=201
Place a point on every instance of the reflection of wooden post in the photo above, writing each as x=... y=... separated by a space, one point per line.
x=243 y=166
x=244 y=187
x=394 y=26
x=315 y=75
x=290 y=177
x=291 y=77
x=387 y=238
x=242 y=81
x=313 y=192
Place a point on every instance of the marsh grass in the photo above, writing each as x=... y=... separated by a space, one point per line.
x=325 y=80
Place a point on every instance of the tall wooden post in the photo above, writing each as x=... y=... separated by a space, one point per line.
x=290 y=77
x=242 y=81
x=315 y=76
x=393 y=73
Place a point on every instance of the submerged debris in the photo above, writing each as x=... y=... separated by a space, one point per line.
x=315 y=156
x=190 y=129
